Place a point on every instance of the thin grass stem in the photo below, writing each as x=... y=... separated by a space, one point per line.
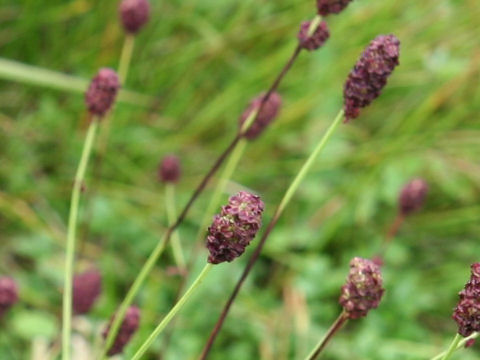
x=460 y=345
x=337 y=325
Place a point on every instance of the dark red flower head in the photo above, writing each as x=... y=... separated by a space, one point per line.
x=134 y=14
x=267 y=114
x=412 y=196
x=234 y=228
x=363 y=288
x=467 y=312
x=367 y=79
x=87 y=286
x=327 y=7
x=169 y=170
x=8 y=293
x=102 y=91
x=127 y=329
x=317 y=39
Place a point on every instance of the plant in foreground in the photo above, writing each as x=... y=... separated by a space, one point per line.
x=8 y=294
x=230 y=233
x=375 y=64
x=127 y=329
x=99 y=99
x=87 y=287
x=362 y=292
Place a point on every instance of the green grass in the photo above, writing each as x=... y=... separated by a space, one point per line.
x=202 y=61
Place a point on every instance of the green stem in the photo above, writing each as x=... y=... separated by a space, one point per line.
x=147 y=267
x=453 y=346
x=172 y=312
x=125 y=58
x=308 y=164
x=460 y=345
x=172 y=216
x=70 y=250
x=314 y=24
x=337 y=325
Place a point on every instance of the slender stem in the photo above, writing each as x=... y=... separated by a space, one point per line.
x=172 y=312
x=171 y=214
x=70 y=250
x=314 y=24
x=125 y=58
x=390 y=234
x=286 y=198
x=337 y=325
x=452 y=347
x=460 y=345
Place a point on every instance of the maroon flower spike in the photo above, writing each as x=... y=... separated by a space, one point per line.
x=317 y=39
x=169 y=169
x=134 y=14
x=327 y=7
x=467 y=312
x=412 y=196
x=234 y=228
x=87 y=286
x=267 y=114
x=128 y=327
x=367 y=79
x=8 y=293
x=363 y=289
x=102 y=92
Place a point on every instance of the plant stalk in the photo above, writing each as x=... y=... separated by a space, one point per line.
x=70 y=249
x=452 y=347
x=337 y=325
x=460 y=345
x=278 y=212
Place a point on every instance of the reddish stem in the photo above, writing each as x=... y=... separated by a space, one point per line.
x=337 y=325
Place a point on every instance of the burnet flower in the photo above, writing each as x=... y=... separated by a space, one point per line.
x=467 y=311
x=267 y=114
x=367 y=79
x=102 y=92
x=169 y=170
x=412 y=196
x=127 y=329
x=363 y=288
x=87 y=286
x=134 y=14
x=8 y=293
x=317 y=39
x=234 y=228
x=327 y=7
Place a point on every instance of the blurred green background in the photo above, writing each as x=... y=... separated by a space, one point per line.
x=203 y=60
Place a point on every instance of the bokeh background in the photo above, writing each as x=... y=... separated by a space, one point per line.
x=201 y=62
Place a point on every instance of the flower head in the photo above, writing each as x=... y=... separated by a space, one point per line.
x=412 y=196
x=327 y=7
x=102 y=91
x=134 y=14
x=234 y=228
x=128 y=327
x=267 y=114
x=367 y=79
x=169 y=170
x=87 y=286
x=8 y=293
x=467 y=311
x=363 y=288
x=317 y=39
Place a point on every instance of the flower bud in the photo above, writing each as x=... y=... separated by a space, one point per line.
x=87 y=286
x=412 y=196
x=234 y=228
x=367 y=79
x=327 y=7
x=102 y=92
x=467 y=312
x=169 y=170
x=317 y=39
x=134 y=14
x=128 y=327
x=363 y=288
x=266 y=115
x=8 y=293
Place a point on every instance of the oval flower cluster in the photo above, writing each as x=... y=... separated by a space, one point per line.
x=234 y=228
x=412 y=196
x=8 y=293
x=87 y=287
x=363 y=288
x=267 y=113
x=327 y=7
x=102 y=91
x=467 y=311
x=127 y=329
x=317 y=39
